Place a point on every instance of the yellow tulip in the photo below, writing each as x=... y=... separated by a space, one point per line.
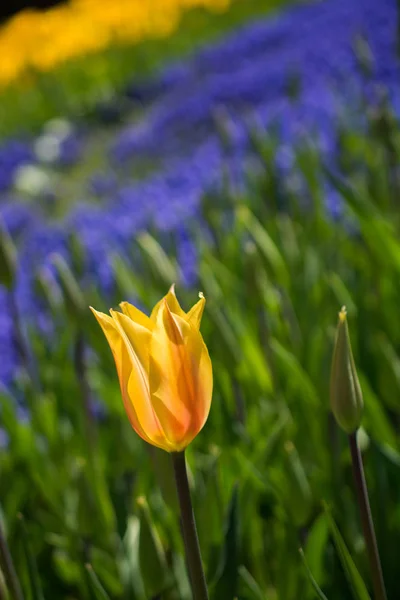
x=164 y=370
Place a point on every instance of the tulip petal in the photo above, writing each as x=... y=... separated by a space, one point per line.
x=139 y=341
x=123 y=364
x=136 y=315
x=173 y=304
x=180 y=377
x=196 y=312
x=142 y=420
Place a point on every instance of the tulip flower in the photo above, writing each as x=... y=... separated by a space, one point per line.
x=164 y=370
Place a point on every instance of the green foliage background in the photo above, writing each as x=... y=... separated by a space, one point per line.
x=89 y=510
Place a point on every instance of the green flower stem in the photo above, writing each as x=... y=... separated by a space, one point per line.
x=192 y=548
x=366 y=519
x=8 y=569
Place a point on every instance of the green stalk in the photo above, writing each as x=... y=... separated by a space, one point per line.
x=366 y=519
x=8 y=569
x=191 y=541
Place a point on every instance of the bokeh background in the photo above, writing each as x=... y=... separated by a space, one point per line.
x=245 y=148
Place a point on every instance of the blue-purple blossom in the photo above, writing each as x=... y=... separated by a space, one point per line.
x=247 y=77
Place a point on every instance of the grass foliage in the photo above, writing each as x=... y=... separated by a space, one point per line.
x=275 y=268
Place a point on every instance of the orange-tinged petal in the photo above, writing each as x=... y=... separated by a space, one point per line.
x=180 y=377
x=123 y=365
x=196 y=312
x=137 y=343
x=139 y=340
x=173 y=304
x=136 y=315
x=142 y=420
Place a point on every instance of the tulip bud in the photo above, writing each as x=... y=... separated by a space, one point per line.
x=8 y=258
x=345 y=391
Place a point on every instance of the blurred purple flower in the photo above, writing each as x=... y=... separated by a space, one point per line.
x=103 y=184
x=251 y=72
x=187 y=256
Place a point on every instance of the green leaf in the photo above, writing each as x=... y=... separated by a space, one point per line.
x=318 y=592
x=152 y=560
x=343 y=295
x=376 y=420
x=315 y=546
x=128 y=283
x=254 y=365
x=298 y=496
x=226 y=585
x=251 y=589
x=163 y=265
x=72 y=293
x=97 y=591
x=8 y=258
x=32 y=570
x=104 y=565
x=265 y=243
x=66 y=567
x=130 y=568
x=354 y=578
x=163 y=468
x=208 y=509
x=294 y=373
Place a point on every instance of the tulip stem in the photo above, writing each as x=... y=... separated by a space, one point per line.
x=366 y=519
x=191 y=541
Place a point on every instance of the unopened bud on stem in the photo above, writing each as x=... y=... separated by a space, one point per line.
x=345 y=391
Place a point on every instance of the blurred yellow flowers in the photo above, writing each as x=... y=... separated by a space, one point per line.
x=164 y=370
x=39 y=40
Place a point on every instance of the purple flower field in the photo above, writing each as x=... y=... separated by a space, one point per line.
x=242 y=80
